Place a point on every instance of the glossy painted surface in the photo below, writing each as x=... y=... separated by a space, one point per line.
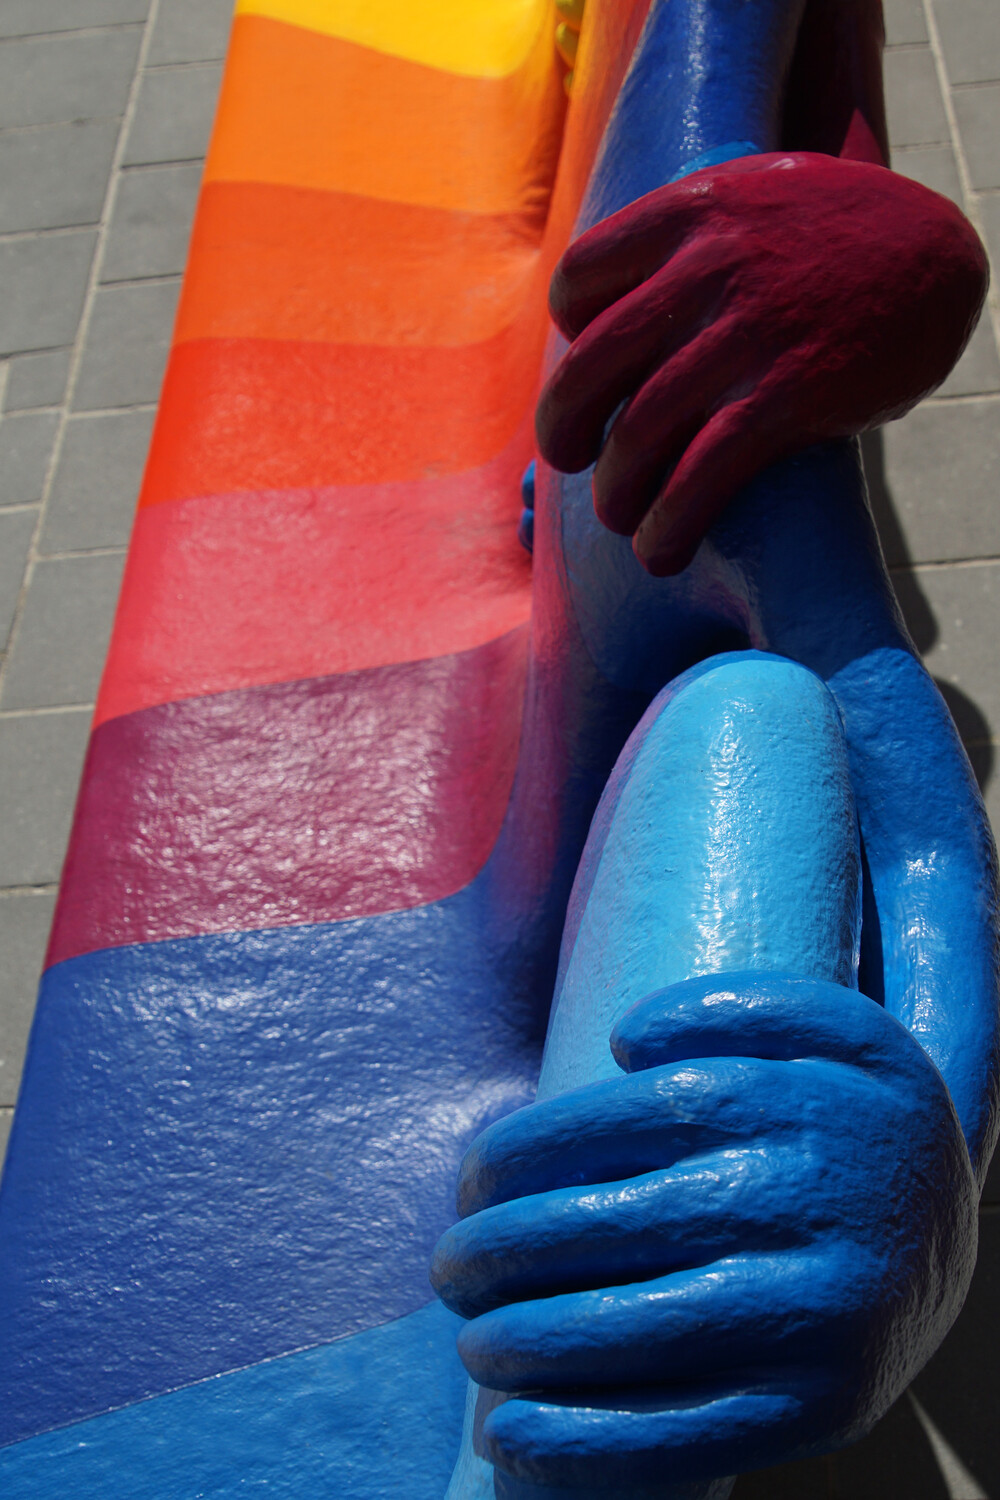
x=283 y=1426
x=691 y=1267
x=265 y=1128
x=726 y=839
x=392 y=784
x=235 y=1143
x=481 y=40
x=810 y=585
x=347 y=406
x=323 y=594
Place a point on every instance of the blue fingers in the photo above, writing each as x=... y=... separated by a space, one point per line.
x=577 y=1239
x=623 y=1443
x=607 y=1131
x=778 y=1016
x=737 y=1314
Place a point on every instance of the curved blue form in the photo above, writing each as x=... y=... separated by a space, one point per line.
x=726 y=840
x=795 y=568
x=706 y=73
x=679 y=1258
x=311 y=1423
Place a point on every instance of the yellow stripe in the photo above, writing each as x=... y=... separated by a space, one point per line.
x=478 y=38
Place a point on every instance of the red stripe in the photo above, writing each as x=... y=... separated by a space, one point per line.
x=304 y=802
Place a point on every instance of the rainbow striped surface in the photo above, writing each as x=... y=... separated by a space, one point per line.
x=275 y=1010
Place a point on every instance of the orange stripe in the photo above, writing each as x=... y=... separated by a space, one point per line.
x=244 y=414
x=272 y=262
x=313 y=111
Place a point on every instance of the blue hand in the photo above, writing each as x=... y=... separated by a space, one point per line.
x=740 y=1251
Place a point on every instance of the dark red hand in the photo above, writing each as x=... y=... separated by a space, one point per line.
x=740 y=314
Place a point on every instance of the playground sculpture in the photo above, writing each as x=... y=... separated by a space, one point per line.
x=704 y=829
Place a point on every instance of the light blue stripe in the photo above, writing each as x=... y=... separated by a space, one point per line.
x=337 y=1421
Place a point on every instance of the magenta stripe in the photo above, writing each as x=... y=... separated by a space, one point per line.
x=305 y=801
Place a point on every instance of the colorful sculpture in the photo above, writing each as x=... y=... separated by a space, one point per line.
x=309 y=930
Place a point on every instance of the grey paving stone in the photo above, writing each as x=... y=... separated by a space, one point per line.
x=41 y=756
x=16 y=531
x=989 y=208
x=25 y=449
x=917 y=600
x=58 y=655
x=978 y=370
x=6 y=1121
x=152 y=222
x=28 y=17
x=55 y=176
x=970 y=37
x=37 y=379
x=191 y=31
x=24 y=932
x=174 y=114
x=985 y=757
x=934 y=166
x=44 y=280
x=97 y=482
x=127 y=345
x=913 y=100
x=904 y=22
x=959 y=648
x=936 y=481
x=50 y=78
x=977 y=110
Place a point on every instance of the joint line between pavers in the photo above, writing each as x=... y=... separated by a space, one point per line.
x=57 y=232
x=969 y=193
x=185 y=67
x=82 y=552
x=967 y=399
x=47 y=710
x=35 y=36
x=945 y=562
x=83 y=328
x=155 y=280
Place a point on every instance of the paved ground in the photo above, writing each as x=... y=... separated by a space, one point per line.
x=105 y=109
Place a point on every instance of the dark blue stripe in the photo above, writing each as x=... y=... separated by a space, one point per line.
x=234 y=1146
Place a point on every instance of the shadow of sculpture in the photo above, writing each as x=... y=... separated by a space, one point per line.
x=943 y=1443
x=974 y=728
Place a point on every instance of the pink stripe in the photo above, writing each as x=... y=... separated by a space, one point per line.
x=231 y=591
x=305 y=801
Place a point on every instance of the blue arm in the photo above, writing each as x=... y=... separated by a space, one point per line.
x=803 y=545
